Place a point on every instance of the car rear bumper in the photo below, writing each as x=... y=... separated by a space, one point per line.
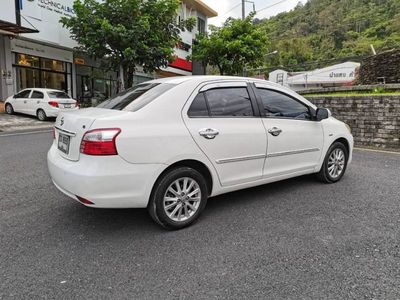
x=107 y=181
x=53 y=112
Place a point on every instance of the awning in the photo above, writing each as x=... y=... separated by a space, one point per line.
x=14 y=28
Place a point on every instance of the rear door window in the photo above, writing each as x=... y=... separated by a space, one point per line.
x=229 y=102
x=37 y=95
x=198 y=107
x=136 y=97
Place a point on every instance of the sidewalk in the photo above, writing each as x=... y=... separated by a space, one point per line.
x=22 y=122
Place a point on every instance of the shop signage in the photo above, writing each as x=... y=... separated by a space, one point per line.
x=25 y=47
x=79 y=61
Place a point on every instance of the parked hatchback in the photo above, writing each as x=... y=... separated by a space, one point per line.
x=42 y=103
x=169 y=144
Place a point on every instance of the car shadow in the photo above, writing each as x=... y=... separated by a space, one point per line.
x=110 y=221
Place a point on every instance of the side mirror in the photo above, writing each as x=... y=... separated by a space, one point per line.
x=322 y=114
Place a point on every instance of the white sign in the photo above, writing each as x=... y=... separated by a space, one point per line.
x=7 y=11
x=30 y=48
x=44 y=15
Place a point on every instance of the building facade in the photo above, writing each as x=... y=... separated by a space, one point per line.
x=333 y=76
x=36 y=51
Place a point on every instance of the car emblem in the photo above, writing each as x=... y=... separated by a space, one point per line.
x=62 y=121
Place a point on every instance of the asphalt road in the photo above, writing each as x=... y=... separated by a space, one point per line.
x=297 y=239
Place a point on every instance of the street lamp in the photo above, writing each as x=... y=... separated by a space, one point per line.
x=260 y=68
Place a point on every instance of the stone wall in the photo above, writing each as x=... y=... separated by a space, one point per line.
x=374 y=120
x=383 y=67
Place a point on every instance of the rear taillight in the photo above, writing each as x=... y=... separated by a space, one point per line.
x=84 y=201
x=53 y=103
x=77 y=104
x=100 y=142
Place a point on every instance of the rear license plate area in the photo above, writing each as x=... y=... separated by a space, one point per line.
x=67 y=105
x=63 y=143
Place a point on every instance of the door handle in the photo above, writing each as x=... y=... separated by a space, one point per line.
x=275 y=131
x=209 y=133
x=24 y=101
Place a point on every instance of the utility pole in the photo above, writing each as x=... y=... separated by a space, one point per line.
x=243 y=9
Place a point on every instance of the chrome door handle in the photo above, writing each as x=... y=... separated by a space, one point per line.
x=209 y=133
x=275 y=131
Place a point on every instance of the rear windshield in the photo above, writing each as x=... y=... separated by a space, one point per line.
x=58 y=95
x=136 y=97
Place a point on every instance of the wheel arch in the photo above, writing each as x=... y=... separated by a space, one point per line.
x=344 y=141
x=194 y=164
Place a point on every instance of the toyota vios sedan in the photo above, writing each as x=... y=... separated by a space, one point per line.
x=42 y=103
x=169 y=144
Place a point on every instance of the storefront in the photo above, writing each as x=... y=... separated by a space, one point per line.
x=94 y=81
x=41 y=66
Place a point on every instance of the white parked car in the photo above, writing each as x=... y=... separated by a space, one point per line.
x=42 y=103
x=169 y=144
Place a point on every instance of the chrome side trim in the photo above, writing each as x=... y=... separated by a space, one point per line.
x=237 y=159
x=277 y=154
x=67 y=132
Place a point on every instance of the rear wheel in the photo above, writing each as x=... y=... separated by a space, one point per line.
x=41 y=115
x=335 y=164
x=178 y=198
x=9 y=109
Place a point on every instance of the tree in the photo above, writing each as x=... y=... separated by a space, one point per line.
x=232 y=47
x=129 y=33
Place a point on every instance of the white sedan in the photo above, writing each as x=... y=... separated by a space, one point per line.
x=42 y=103
x=169 y=144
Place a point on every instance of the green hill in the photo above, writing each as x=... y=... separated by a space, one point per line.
x=324 y=32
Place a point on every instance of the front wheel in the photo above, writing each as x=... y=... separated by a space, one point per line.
x=178 y=198
x=335 y=164
x=9 y=109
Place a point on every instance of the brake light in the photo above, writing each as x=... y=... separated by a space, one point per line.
x=77 y=104
x=53 y=103
x=100 y=142
x=84 y=201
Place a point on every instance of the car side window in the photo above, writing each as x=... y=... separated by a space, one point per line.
x=37 y=95
x=277 y=104
x=198 y=107
x=23 y=94
x=229 y=102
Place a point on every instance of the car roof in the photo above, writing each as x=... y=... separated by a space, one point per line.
x=43 y=90
x=181 y=79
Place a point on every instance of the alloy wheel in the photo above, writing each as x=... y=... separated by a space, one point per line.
x=182 y=199
x=336 y=163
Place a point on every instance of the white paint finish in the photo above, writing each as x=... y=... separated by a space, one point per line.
x=161 y=134
x=292 y=148
x=241 y=142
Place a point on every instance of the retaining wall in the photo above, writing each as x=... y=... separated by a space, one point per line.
x=374 y=120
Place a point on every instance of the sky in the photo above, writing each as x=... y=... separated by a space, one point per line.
x=223 y=7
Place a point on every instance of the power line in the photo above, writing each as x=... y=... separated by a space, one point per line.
x=272 y=5
x=232 y=8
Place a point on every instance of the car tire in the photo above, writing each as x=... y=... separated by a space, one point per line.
x=41 y=115
x=335 y=163
x=174 y=202
x=9 y=109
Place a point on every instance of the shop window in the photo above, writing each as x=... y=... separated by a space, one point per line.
x=54 y=65
x=28 y=60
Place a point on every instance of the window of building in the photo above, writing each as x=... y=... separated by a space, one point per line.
x=201 y=25
x=277 y=104
x=37 y=72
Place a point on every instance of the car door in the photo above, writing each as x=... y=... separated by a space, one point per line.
x=20 y=101
x=295 y=140
x=224 y=121
x=34 y=102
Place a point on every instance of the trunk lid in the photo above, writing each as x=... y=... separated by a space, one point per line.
x=71 y=126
